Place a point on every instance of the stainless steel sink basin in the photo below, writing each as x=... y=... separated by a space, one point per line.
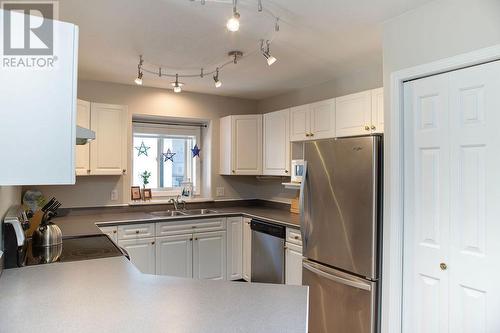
x=199 y=211
x=169 y=213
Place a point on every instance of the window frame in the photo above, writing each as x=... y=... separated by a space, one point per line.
x=165 y=131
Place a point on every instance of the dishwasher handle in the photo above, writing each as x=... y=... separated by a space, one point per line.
x=268 y=228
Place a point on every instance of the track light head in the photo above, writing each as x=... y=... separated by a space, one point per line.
x=177 y=85
x=217 y=82
x=267 y=53
x=138 y=80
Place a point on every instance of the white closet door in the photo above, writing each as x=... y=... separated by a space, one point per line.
x=452 y=202
x=474 y=263
x=426 y=205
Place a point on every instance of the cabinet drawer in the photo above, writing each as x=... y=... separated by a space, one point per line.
x=293 y=236
x=183 y=226
x=133 y=231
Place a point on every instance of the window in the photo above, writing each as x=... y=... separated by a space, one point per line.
x=165 y=152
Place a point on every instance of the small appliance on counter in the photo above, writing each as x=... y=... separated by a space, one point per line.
x=47 y=244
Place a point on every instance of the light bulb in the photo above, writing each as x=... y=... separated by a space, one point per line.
x=271 y=60
x=177 y=89
x=233 y=24
x=218 y=84
x=138 y=81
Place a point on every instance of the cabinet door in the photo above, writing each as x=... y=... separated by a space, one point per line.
x=276 y=161
x=108 y=152
x=247 y=250
x=174 y=255
x=293 y=264
x=142 y=253
x=322 y=119
x=111 y=232
x=353 y=114
x=246 y=133
x=82 y=160
x=300 y=123
x=209 y=255
x=234 y=248
x=378 y=110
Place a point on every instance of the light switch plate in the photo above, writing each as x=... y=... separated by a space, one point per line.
x=220 y=192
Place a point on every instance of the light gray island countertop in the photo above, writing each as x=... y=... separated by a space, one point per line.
x=111 y=295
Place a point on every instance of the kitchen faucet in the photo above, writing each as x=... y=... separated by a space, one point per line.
x=178 y=201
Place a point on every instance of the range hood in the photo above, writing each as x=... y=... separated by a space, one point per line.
x=84 y=135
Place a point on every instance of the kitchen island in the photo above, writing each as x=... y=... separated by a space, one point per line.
x=111 y=295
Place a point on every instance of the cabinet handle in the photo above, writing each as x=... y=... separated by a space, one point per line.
x=373 y=127
x=311 y=134
x=114 y=231
x=443 y=266
x=137 y=231
x=88 y=170
x=286 y=171
x=307 y=134
x=232 y=171
x=124 y=171
x=190 y=239
x=152 y=243
x=367 y=128
x=196 y=239
x=296 y=237
x=286 y=247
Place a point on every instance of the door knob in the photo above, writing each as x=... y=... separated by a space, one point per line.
x=367 y=128
x=443 y=266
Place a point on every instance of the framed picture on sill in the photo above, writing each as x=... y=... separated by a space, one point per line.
x=135 y=193
x=147 y=194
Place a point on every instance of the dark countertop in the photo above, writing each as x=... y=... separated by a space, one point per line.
x=85 y=224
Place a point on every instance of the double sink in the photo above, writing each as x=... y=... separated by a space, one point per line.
x=188 y=212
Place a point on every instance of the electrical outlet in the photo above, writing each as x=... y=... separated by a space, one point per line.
x=220 y=191
x=114 y=195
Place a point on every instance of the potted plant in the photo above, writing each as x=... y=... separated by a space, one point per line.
x=145 y=181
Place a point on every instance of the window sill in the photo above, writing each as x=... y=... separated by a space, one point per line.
x=165 y=201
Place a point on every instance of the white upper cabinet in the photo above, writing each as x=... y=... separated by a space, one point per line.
x=322 y=119
x=174 y=255
x=378 y=110
x=276 y=161
x=353 y=114
x=82 y=163
x=360 y=113
x=241 y=145
x=234 y=248
x=108 y=152
x=38 y=115
x=300 y=123
x=313 y=121
x=209 y=255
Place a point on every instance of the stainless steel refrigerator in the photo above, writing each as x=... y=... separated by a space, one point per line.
x=340 y=224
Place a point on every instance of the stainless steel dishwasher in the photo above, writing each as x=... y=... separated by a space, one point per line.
x=268 y=252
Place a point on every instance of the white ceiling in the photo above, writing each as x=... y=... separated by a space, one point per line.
x=318 y=40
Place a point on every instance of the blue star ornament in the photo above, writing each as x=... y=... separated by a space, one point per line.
x=168 y=155
x=196 y=151
x=142 y=149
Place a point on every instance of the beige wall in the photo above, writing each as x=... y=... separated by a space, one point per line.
x=96 y=190
x=364 y=79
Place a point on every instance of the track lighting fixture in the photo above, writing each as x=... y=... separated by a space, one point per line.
x=138 y=80
x=233 y=24
x=266 y=53
x=217 y=82
x=177 y=85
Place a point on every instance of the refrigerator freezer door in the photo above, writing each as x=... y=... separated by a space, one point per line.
x=338 y=302
x=339 y=204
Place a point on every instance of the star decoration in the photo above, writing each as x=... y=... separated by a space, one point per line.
x=196 y=151
x=142 y=149
x=168 y=155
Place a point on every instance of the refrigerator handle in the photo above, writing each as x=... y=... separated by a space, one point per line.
x=303 y=223
x=338 y=279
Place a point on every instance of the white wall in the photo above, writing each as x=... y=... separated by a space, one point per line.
x=96 y=190
x=437 y=30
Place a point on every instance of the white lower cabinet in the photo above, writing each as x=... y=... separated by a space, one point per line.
x=142 y=253
x=293 y=264
x=234 y=248
x=247 y=250
x=111 y=232
x=174 y=255
x=209 y=255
